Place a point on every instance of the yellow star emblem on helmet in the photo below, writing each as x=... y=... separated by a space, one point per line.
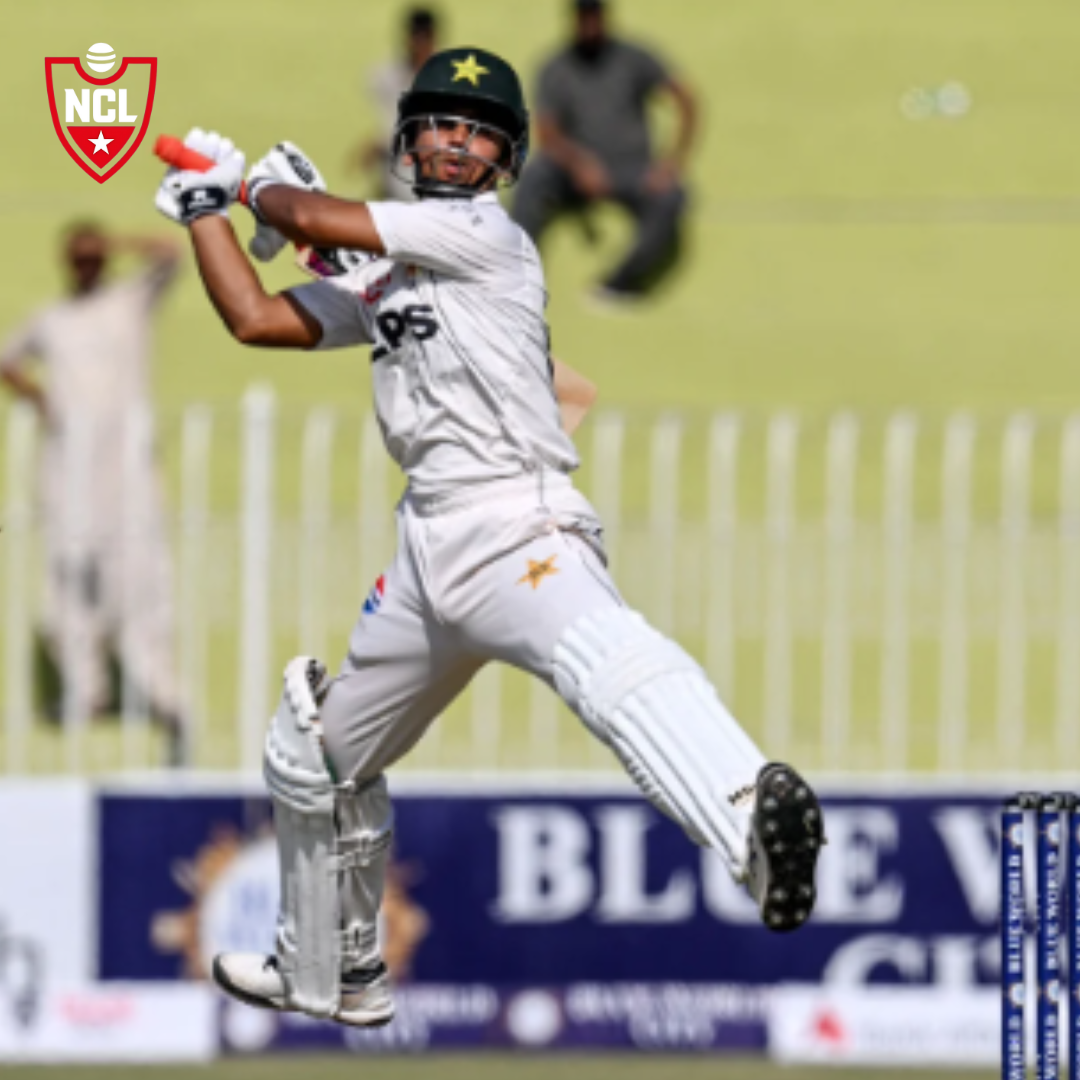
x=468 y=69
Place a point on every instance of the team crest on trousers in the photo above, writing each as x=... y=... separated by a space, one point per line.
x=100 y=116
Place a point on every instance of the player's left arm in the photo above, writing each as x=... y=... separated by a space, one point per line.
x=287 y=195
x=314 y=219
x=574 y=393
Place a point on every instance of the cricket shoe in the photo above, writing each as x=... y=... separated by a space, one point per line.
x=256 y=980
x=786 y=834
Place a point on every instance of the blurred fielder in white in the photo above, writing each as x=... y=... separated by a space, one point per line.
x=499 y=557
x=109 y=569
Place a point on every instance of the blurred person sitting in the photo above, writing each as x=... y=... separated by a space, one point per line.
x=595 y=146
x=385 y=86
x=109 y=576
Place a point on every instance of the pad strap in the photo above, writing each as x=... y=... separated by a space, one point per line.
x=364 y=854
x=365 y=819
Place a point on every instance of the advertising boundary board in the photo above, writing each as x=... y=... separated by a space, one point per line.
x=116 y=1022
x=627 y=884
x=566 y=876
x=895 y=1026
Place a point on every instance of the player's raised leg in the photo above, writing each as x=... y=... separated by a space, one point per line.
x=646 y=698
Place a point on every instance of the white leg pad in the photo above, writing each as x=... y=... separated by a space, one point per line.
x=645 y=697
x=365 y=831
x=304 y=797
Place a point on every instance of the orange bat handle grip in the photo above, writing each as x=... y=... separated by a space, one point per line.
x=173 y=152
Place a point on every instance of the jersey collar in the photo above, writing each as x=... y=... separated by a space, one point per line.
x=486 y=197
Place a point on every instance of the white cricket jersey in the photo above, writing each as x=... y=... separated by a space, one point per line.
x=455 y=315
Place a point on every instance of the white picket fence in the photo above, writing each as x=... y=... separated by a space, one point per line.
x=895 y=592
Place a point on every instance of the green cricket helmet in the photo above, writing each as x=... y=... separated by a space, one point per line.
x=477 y=86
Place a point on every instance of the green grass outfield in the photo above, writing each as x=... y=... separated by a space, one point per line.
x=517 y=1067
x=841 y=255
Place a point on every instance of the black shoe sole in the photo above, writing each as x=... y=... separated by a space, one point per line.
x=367 y=1026
x=226 y=984
x=790 y=833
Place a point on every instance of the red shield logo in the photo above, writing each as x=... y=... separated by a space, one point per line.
x=100 y=121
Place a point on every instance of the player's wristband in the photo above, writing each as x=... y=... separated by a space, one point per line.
x=254 y=186
x=197 y=202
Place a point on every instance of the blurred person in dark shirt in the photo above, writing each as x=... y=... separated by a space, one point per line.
x=386 y=83
x=595 y=145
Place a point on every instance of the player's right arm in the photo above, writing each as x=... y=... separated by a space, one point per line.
x=251 y=315
x=200 y=200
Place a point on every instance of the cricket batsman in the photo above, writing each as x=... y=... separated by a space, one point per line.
x=499 y=556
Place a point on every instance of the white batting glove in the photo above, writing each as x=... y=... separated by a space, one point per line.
x=185 y=196
x=285 y=164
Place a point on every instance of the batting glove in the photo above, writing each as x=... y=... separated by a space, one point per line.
x=285 y=164
x=186 y=196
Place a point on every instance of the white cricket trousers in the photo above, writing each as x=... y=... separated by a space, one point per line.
x=490 y=572
x=513 y=571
